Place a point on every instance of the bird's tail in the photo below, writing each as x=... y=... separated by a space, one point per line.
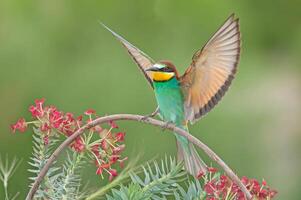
x=192 y=161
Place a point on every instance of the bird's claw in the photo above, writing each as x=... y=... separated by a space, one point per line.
x=165 y=126
x=145 y=117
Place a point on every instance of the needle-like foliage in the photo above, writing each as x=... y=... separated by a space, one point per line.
x=6 y=172
x=157 y=181
x=194 y=191
x=60 y=182
x=68 y=182
x=40 y=155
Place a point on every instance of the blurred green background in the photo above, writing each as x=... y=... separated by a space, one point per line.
x=57 y=50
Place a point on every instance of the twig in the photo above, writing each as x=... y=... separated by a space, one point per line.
x=139 y=118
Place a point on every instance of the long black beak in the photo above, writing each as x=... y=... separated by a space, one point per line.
x=152 y=69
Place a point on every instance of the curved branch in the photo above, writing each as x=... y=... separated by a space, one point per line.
x=139 y=118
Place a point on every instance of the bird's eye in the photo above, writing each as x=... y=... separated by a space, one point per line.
x=167 y=69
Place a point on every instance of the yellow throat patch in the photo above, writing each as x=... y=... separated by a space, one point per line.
x=162 y=76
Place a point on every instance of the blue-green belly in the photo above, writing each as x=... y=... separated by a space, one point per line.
x=170 y=101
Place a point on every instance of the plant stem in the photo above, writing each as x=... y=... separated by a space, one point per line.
x=5 y=191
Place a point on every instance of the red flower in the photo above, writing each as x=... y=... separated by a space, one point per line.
x=90 y=112
x=78 y=145
x=263 y=194
x=113 y=173
x=212 y=169
x=99 y=170
x=273 y=193
x=114 y=158
x=209 y=188
x=104 y=144
x=69 y=117
x=45 y=127
x=46 y=140
x=37 y=110
x=245 y=180
x=95 y=149
x=255 y=186
x=98 y=129
x=106 y=165
x=113 y=124
x=121 y=162
x=200 y=174
x=223 y=178
x=119 y=149
x=39 y=102
x=19 y=125
x=55 y=118
x=219 y=187
x=222 y=182
x=120 y=136
x=79 y=118
x=79 y=121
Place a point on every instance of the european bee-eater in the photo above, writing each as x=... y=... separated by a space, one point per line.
x=190 y=96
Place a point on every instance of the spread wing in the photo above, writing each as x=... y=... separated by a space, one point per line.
x=143 y=61
x=212 y=69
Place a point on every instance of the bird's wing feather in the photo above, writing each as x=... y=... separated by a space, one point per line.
x=143 y=61
x=212 y=69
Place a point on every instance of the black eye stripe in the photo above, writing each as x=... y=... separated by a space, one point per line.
x=166 y=69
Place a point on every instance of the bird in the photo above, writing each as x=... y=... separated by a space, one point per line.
x=187 y=98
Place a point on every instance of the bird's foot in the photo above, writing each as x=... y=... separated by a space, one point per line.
x=145 y=117
x=166 y=125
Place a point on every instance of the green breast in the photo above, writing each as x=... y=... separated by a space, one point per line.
x=170 y=100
